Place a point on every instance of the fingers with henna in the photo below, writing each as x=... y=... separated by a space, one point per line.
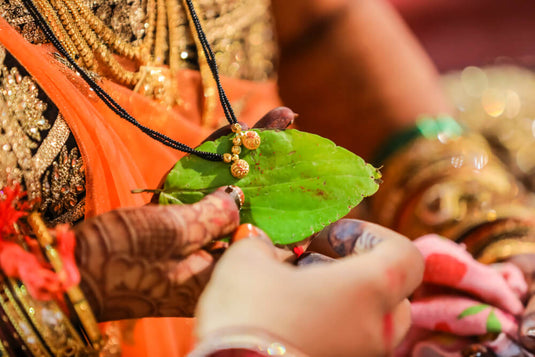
x=278 y=118
x=224 y=130
x=345 y=237
x=162 y=231
x=391 y=264
x=313 y=258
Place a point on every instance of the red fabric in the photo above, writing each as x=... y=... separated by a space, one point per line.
x=236 y=352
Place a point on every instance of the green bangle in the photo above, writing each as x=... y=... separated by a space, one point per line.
x=425 y=126
x=431 y=128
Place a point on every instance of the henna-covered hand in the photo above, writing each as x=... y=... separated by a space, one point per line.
x=147 y=261
x=342 y=238
x=276 y=119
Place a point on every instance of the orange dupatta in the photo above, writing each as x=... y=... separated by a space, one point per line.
x=119 y=158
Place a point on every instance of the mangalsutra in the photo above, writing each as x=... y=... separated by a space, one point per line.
x=71 y=11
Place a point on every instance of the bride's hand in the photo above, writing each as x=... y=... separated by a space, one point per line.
x=149 y=261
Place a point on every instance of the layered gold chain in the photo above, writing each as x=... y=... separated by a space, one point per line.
x=166 y=37
x=91 y=42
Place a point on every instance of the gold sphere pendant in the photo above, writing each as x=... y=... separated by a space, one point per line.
x=251 y=140
x=239 y=169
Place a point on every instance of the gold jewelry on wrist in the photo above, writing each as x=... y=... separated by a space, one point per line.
x=24 y=331
x=75 y=295
x=51 y=324
x=3 y=349
x=435 y=186
x=504 y=249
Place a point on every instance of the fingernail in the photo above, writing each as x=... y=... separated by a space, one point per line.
x=527 y=331
x=350 y=236
x=237 y=194
x=247 y=230
x=311 y=258
x=217 y=246
x=343 y=236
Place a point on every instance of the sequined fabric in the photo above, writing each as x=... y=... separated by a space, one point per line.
x=37 y=147
x=240 y=31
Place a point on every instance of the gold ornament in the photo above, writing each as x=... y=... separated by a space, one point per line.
x=227 y=157
x=239 y=169
x=236 y=128
x=251 y=140
x=236 y=150
x=236 y=140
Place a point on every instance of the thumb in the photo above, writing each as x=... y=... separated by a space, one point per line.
x=250 y=243
x=248 y=232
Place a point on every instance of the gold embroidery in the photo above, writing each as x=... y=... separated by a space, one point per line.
x=20 y=94
x=50 y=146
x=21 y=122
x=51 y=173
x=16 y=14
x=240 y=32
x=125 y=17
x=73 y=215
x=63 y=182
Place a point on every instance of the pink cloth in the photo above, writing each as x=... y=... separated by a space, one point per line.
x=461 y=301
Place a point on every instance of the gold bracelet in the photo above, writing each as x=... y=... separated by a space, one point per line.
x=428 y=175
x=25 y=333
x=75 y=295
x=3 y=350
x=51 y=323
x=504 y=249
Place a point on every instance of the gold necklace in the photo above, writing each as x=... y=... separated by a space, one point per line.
x=164 y=43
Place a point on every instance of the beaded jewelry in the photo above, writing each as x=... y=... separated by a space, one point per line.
x=250 y=139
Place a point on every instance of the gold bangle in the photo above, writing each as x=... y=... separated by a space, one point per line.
x=51 y=323
x=3 y=350
x=75 y=295
x=504 y=249
x=24 y=329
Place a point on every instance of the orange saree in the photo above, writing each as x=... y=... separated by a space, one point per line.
x=119 y=158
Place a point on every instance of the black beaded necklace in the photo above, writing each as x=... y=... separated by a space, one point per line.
x=249 y=139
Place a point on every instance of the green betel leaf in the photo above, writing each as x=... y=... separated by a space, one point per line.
x=298 y=183
x=493 y=323
x=472 y=310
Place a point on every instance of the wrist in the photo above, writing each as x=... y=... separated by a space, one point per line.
x=244 y=342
